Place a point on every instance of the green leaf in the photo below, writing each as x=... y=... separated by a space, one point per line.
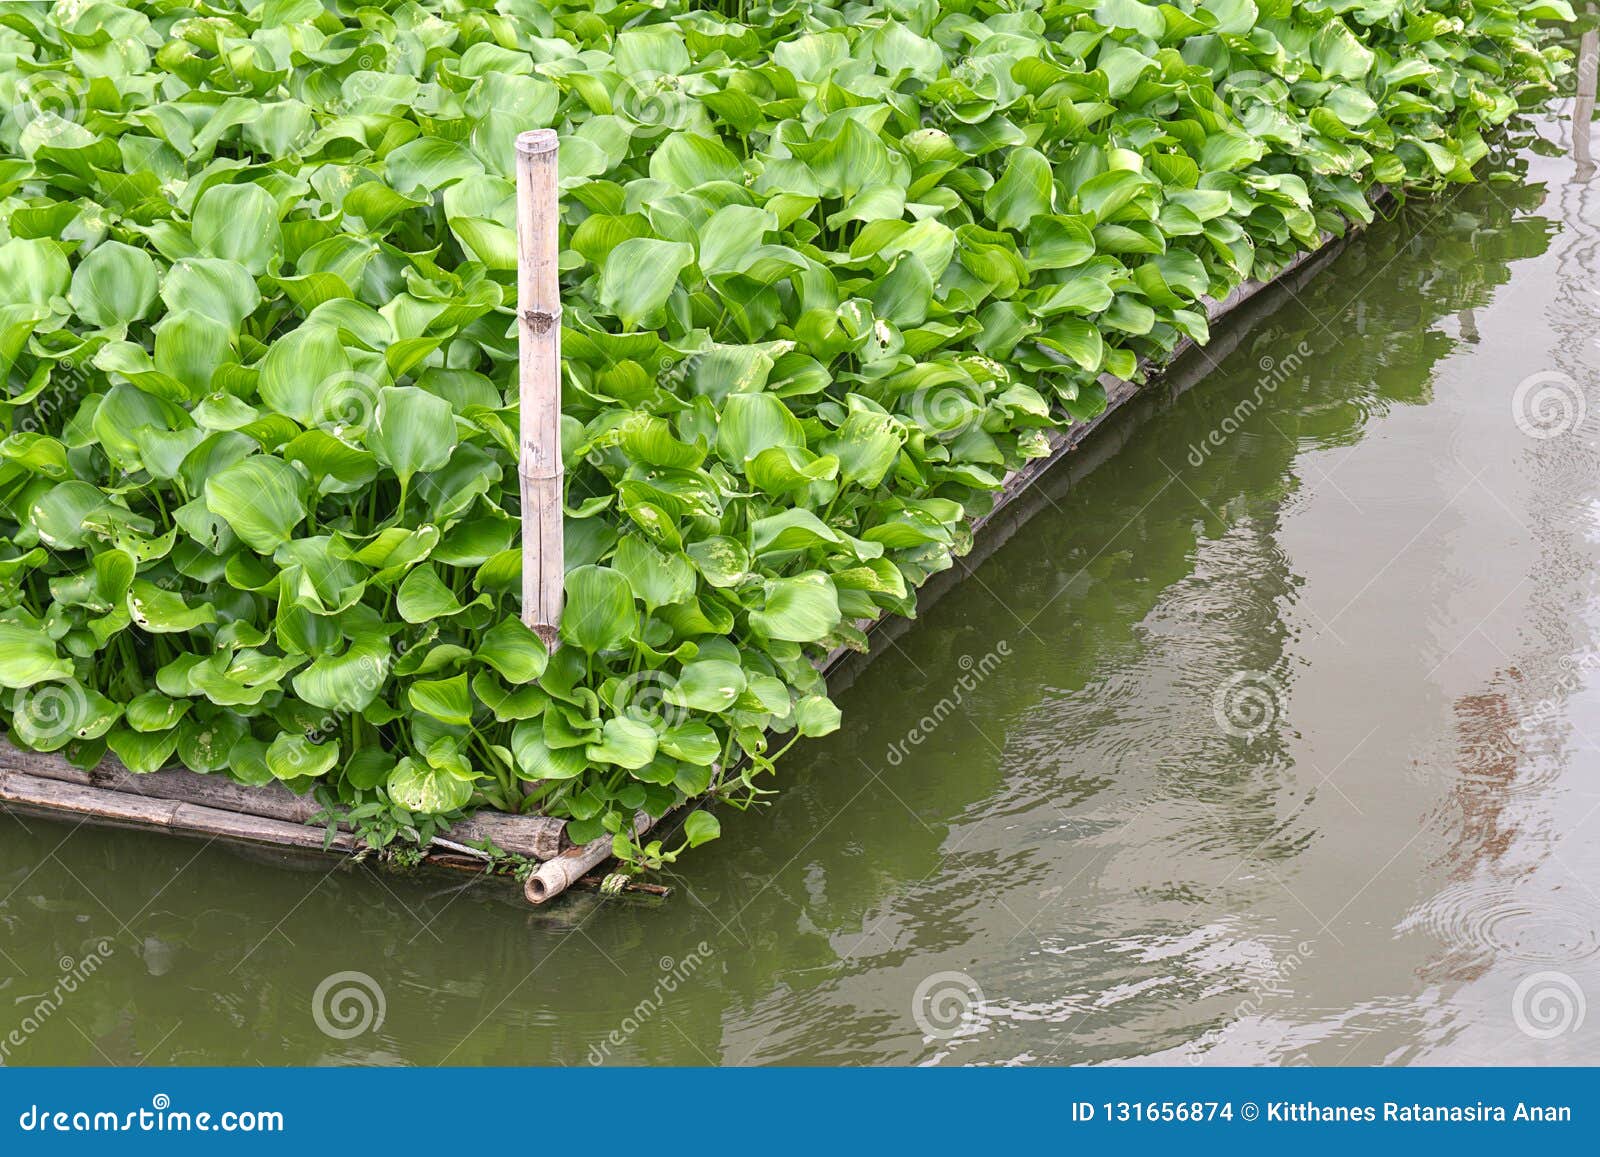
x=514 y=650
x=688 y=160
x=710 y=685
x=28 y=656
x=114 y=285
x=423 y=596
x=427 y=790
x=625 y=742
x=447 y=700
x=701 y=827
x=261 y=498
x=599 y=614
x=639 y=276
x=349 y=681
x=221 y=290
x=36 y=271
x=866 y=445
x=306 y=370
x=537 y=760
x=816 y=715
x=791 y=530
x=238 y=223
x=1025 y=189
x=412 y=430
x=798 y=610
x=657 y=578
x=154 y=711
x=294 y=756
x=165 y=612
x=751 y=423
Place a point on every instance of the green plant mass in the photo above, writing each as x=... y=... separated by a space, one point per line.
x=830 y=271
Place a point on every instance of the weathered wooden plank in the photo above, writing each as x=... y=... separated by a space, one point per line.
x=537 y=837
x=109 y=806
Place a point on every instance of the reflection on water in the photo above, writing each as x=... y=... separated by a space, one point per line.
x=1267 y=740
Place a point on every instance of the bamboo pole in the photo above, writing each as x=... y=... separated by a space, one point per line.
x=1583 y=105
x=539 y=329
x=556 y=876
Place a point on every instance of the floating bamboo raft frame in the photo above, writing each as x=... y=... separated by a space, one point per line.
x=181 y=802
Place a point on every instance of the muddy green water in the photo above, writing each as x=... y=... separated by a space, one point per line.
x=1272 y=746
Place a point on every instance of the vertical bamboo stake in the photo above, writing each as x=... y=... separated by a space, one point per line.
x=1583 y=106
x=539 y=324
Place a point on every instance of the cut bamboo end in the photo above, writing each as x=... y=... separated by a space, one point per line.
x=536 y=141
x=556 y=876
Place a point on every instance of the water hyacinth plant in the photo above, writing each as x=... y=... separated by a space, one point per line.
x=830 y=271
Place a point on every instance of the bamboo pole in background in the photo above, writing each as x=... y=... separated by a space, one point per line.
x=539 y=327
x=1583 y=106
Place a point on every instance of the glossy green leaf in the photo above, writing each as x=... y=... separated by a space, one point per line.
x=600 y=614
x=114 y=285
x=412 y=430
x=261 y=498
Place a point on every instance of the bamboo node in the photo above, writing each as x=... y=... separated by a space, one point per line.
x=542 y=319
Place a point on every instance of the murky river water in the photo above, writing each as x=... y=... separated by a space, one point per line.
x=1277 y=745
